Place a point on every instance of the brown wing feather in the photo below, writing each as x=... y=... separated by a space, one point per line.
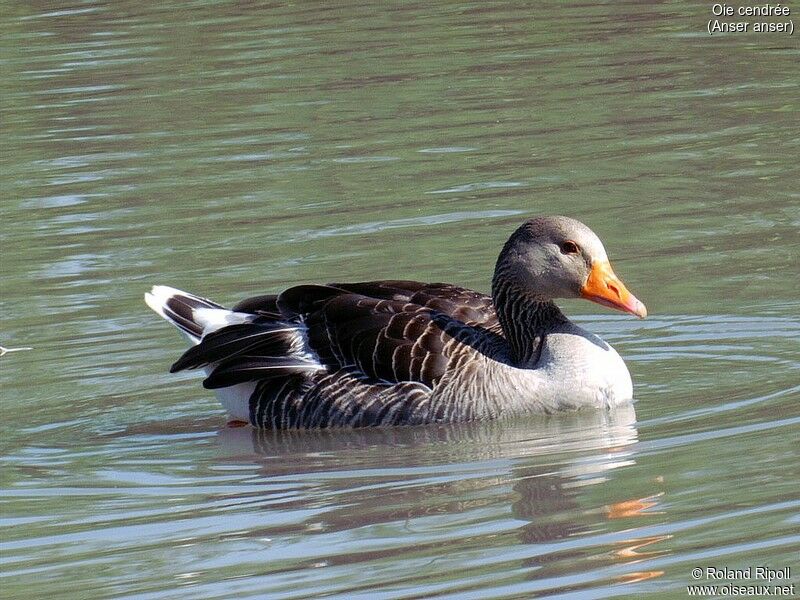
x=461 y=303
x=394 y=331
x=266 y=305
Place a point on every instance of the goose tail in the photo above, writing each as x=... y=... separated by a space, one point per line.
x=237 y=350
x=194 y=316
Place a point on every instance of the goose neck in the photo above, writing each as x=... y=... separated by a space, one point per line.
x=525 y=319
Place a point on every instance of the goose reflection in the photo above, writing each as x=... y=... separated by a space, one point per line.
x=393 y=473
x=303 y=451
x=474 y=488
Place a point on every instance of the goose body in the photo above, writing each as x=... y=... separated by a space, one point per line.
x=404 y=352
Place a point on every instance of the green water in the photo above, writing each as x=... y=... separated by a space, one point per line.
x=234 y=149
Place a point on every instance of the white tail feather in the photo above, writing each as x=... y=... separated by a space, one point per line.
x=204 y=316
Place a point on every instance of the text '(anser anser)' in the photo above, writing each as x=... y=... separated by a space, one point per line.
x=403 y=352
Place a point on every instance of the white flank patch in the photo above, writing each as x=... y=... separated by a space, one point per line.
x=235 y=399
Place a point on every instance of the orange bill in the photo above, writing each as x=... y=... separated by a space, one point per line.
x=605 y=288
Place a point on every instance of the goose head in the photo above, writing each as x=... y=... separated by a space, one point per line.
x=559 y=257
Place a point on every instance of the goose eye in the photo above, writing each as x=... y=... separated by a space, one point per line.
x=570 y=247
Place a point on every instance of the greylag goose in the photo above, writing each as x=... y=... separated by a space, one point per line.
x=402 y=352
